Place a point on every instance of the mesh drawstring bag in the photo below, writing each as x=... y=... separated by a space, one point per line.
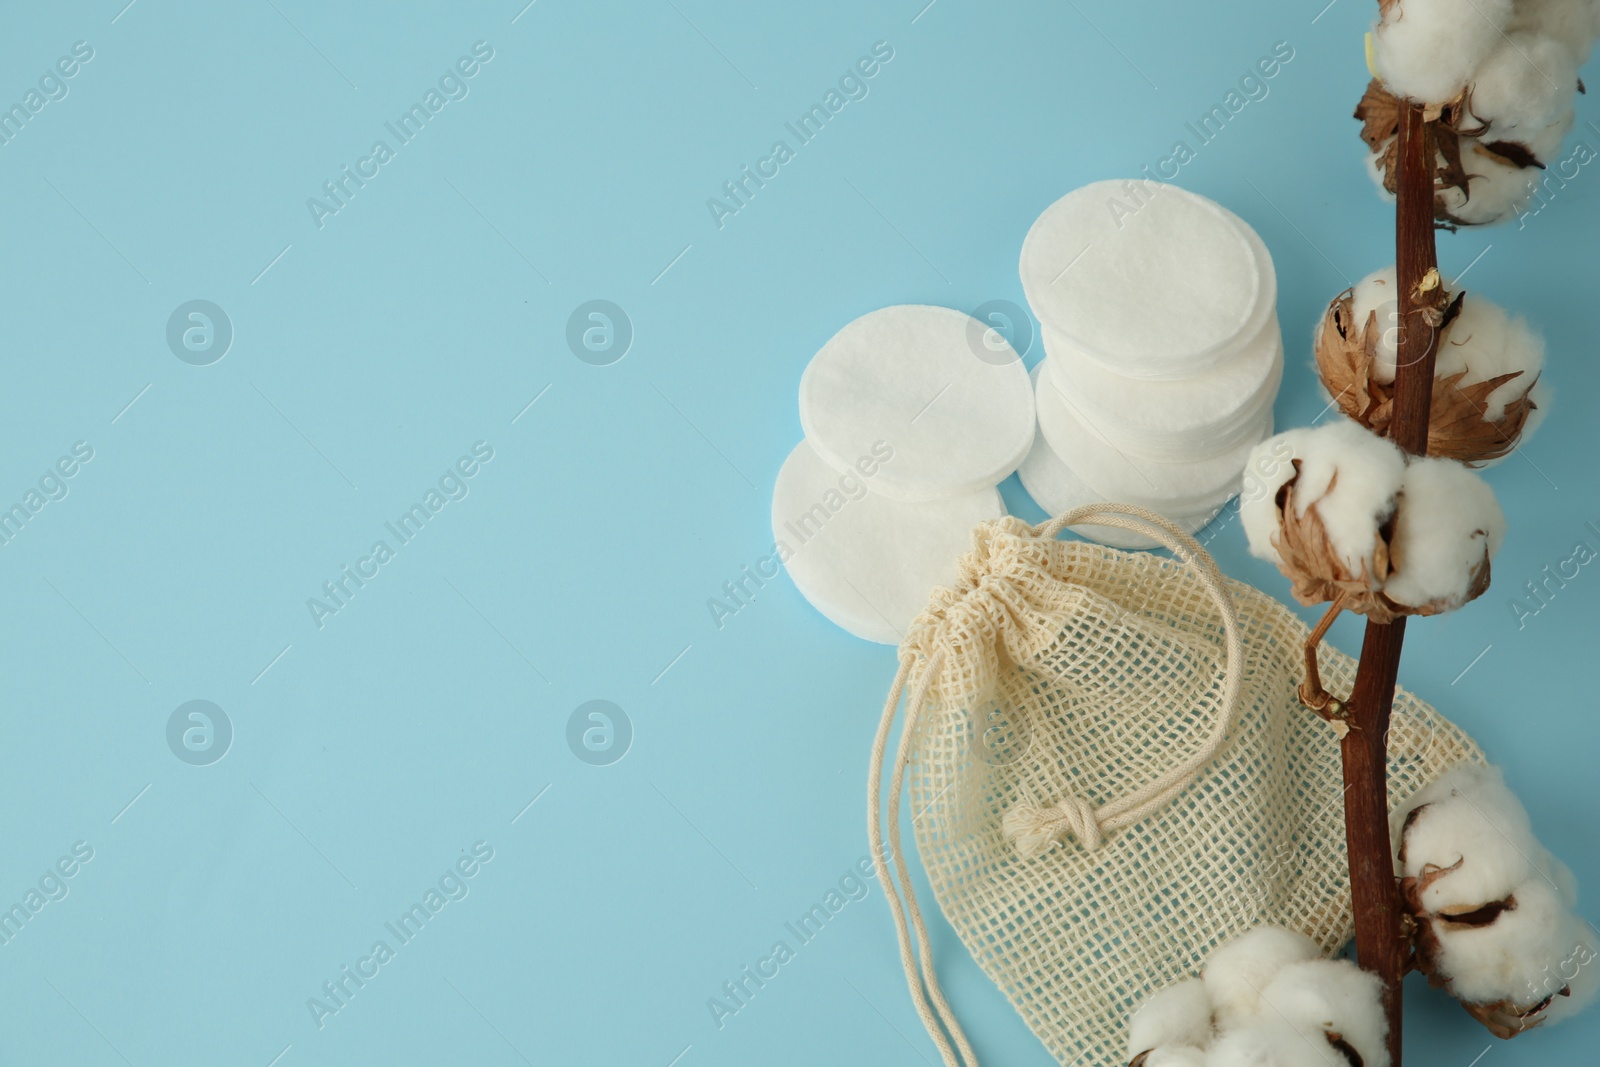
x=1110 y=774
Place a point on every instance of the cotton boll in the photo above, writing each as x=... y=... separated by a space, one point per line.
x=1426 y=50
x=1494 y=909
x=1177 y=1015
x=1333 y=997
x=1176 y=1056
x=1524 y=86
x=1529 y=962
x=1236 y=973
x=1268 y=466
x=1447 y=527
x=1468 y=816
x=1351 y=475
x=1575 y=23
x=1514 y=958
x=1486 y=342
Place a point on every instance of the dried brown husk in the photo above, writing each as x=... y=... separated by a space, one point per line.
x=1346 y=355
x=1316 y=572
x=1453 y=127
x=1506 y=1019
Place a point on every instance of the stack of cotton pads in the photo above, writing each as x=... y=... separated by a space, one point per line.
x=1158 y=315
x=912 y=416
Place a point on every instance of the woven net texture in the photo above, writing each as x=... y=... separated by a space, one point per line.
x=1068 y=669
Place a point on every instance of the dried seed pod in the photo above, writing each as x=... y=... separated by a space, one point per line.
x=1507 y=961
x=1344 y=514
x=1487 y=395
x=1321 y=514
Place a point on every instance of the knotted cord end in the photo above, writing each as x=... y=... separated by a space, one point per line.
x=1032 y=829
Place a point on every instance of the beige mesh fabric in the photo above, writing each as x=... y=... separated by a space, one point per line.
x=1094 y=809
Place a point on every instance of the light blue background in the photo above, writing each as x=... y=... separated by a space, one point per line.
x=424 y=317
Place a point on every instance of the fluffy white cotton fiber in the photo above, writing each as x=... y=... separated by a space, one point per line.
x=1322 y=997
x=1272 y=1043
x=1468 y=817
x=1496 y=190
x=1267 y=468
x=1176 y=1056
x=1427 y=50
x=1516 y=66
x=1524 y=88
x=1349 y=474
x=1447 y=526
x=1575 y=23
x=1510 y=958
x=1266 y=999
x=1177 y=1015
x=1379 y=295
x=1496 y=910
x=1486 y=342
x=1238 y=972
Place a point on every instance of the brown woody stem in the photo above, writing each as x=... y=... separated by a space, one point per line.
x=1381 y=946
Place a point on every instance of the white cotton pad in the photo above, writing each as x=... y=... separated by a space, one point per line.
x=1177 y=487
x=1194 y=418
x=866 y=562
x=1056 y=489
x=1151 y=280
x=912 y=376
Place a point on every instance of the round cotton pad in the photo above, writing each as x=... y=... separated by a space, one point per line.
x=1151 y=280
x=1170 y=487
x=1194 y=418
x=911 y=377
x=1057 y=489
x=866 y=562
